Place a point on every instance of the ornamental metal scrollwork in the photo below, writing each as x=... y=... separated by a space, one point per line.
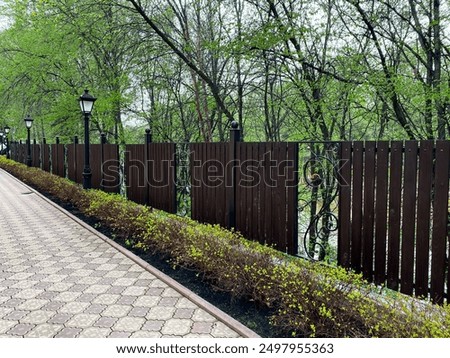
x=318 y=201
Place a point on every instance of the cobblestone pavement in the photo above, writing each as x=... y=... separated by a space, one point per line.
x=59 y=279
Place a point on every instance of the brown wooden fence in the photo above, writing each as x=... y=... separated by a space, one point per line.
x=150 y=175
x=393 y=198
x=394 y=214
x=208 y=182
x=265 y=189
x=58 y=160
x=45 y=157
x=110 y=168
x=266 y=193
x=105 y=163
x=135 y=178
x=36 y=155
x=161 y=172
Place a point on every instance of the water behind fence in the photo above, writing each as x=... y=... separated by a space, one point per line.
x=380 y=208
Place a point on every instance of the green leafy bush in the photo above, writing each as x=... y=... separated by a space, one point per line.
x=308 y=299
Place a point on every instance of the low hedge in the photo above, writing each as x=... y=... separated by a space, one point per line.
x=308 y=299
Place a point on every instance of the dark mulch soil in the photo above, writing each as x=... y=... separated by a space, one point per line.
x=256 y=318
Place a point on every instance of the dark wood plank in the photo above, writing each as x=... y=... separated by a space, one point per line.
x=240 y=207
x=268 y=197
x=45 y=157
x=111 y=168
x=257 y=187
x=203 y=193
x=36 y=152
x=381 y=212
x=248 y=190
x=193 y=178
x=409 y=215
x=278 y=198
x=80 y=162
x=292 y=199
x=440 y=221
x=344 y=175
x=369 y=212
x=95 y=163
x=357 y=191
x=135 y=158
x=423 y=217
x=71 y=162
x=262 y=193
x=172 y=178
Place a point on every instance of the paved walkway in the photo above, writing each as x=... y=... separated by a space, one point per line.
x=60 y=278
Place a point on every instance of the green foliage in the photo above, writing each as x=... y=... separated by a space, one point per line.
x=309 y=299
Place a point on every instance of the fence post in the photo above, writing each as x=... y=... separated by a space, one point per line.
x=102 y=158
x=148 y=136
x=235 y=136
x=148 y=140
x=75 y=163
x=44 y=150
x=55 y=165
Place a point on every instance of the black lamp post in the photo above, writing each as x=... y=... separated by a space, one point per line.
x=28 y=123
x=86 y=104
x=2 y=141
x=7 y=129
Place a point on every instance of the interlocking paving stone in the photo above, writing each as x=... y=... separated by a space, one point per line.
x=21 y=329
x=202 y=316
x=106 y=299
x=116 y=311
x=117 y=334
x=69 y=333
x=33 y=304
x=44 y=331
x=134 y=291
x=106 y=322
x=82 y=320
x=13 y=302
x=6 y=325
x=168 y=301
x=177 y=327
x=95 y=332
x=74 y=307
x=221 y=331
x=161 y=313
x=16 y=315
x=37 y=317
x=151 y=325
x=139 y=312
x=59 y=279
x=147 y=301
x=146 y=334
x=4 y=311
x=126 y=300
x=201 y=327
x=183 y=313
x=53 y=306
x=60 y=318
x=95 y=308
x=129 y=324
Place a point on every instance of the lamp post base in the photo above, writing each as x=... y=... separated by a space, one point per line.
x=87 y=179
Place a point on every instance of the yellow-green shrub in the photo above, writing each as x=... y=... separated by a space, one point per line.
x=308 y=299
